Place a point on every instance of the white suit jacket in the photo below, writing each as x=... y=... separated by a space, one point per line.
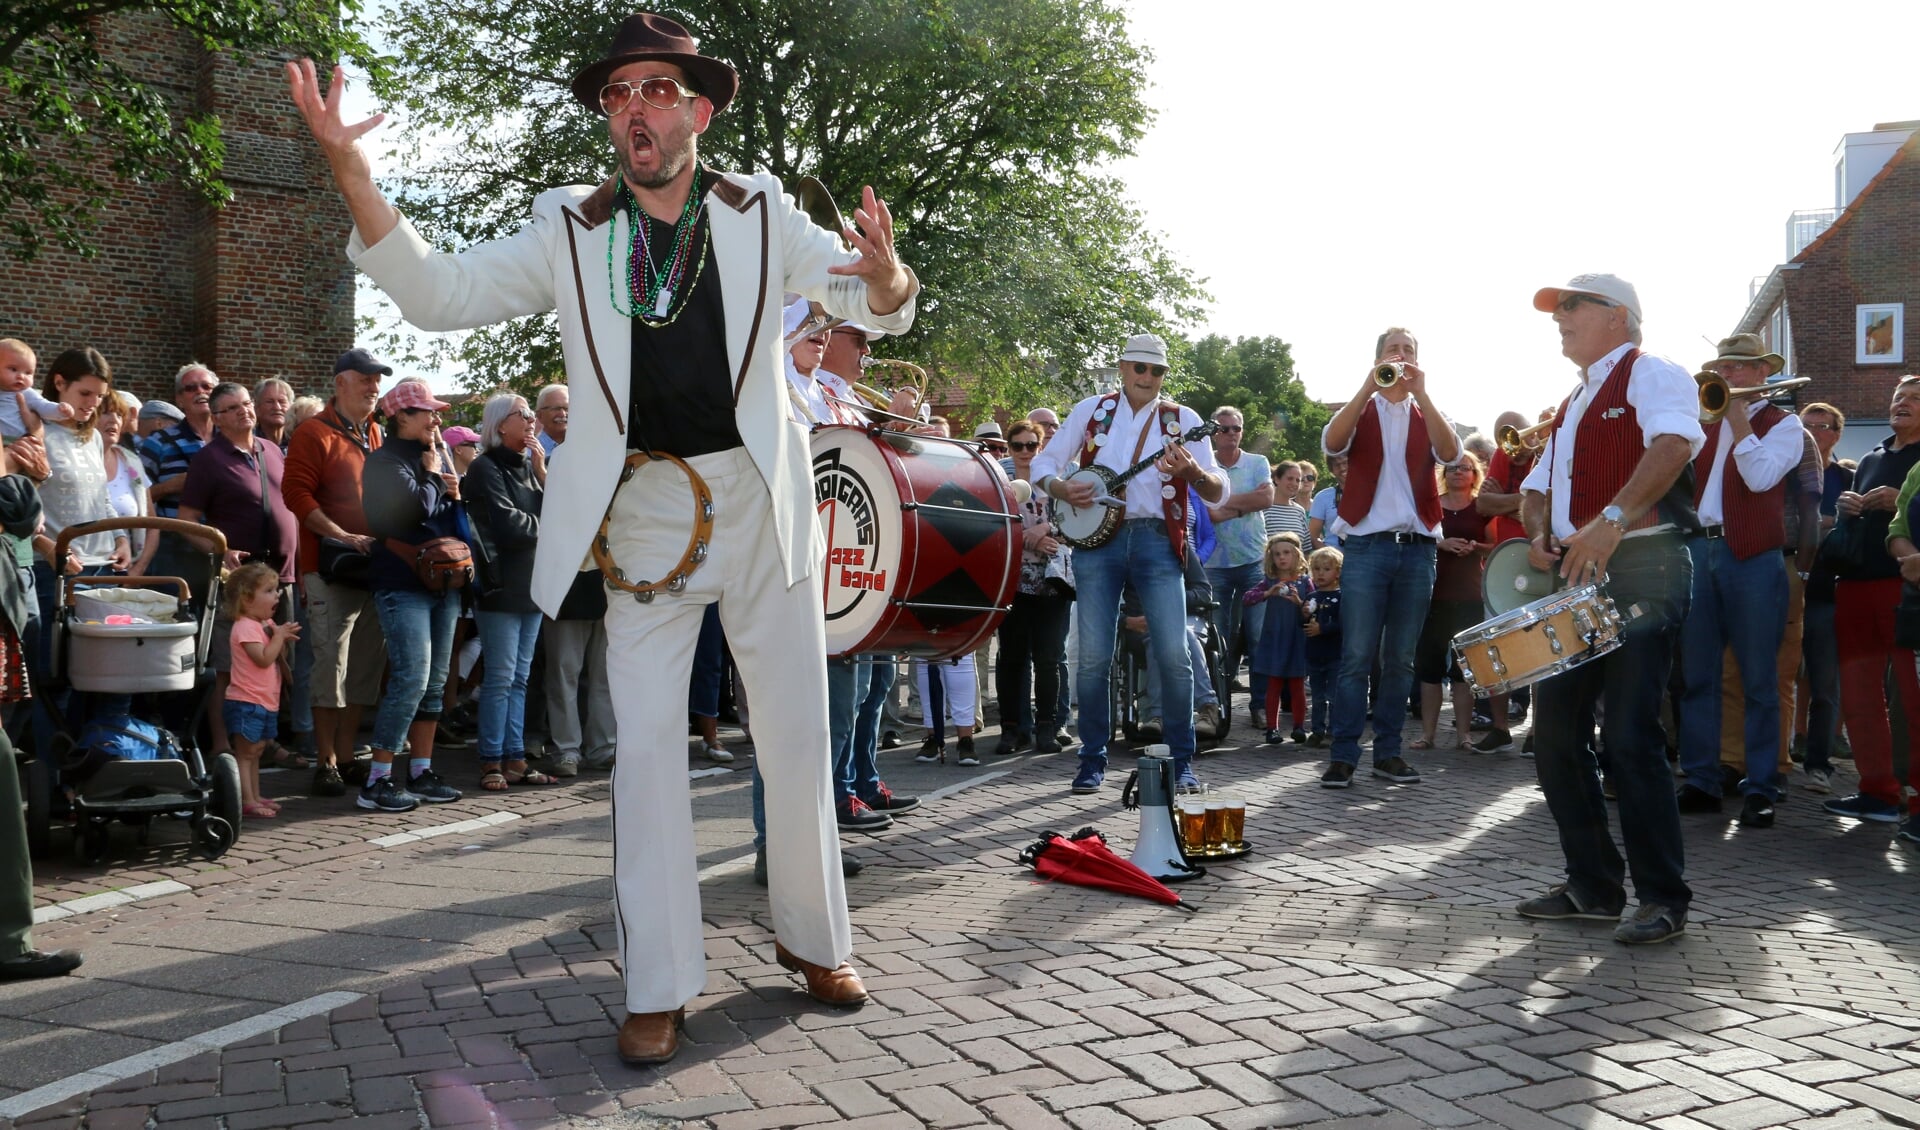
x=762 y=245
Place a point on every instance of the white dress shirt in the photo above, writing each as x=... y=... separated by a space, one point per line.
x=813 y=391
x=1143 y=491
x=1762 y=462
x=1665 y=399
x=1393 y=509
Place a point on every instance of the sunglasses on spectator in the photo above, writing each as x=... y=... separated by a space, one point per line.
x=1143 y=367
x=1822 y=427
x=1025 y=445
x=660 y=92
x=1231 y=429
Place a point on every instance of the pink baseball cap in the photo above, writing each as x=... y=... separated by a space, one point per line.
x=457 y=435
x=410 y=394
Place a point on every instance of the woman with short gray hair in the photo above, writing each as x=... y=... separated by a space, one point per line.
x=503 y=503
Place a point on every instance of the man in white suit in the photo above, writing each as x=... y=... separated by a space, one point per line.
x=667 y=280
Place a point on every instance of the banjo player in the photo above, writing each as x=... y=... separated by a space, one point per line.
x=1114 y=430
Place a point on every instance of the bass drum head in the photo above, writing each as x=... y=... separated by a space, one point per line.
x=857 y=499
x=1510 y=582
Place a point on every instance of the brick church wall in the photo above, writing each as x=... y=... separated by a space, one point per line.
x=257 y=287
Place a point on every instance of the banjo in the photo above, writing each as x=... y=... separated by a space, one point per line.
x=1091 y=527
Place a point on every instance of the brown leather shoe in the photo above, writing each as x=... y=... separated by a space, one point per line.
x=650 y=1037
x=839 y=987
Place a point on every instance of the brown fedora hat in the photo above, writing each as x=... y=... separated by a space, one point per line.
x=1747 y=347
x=644 y=35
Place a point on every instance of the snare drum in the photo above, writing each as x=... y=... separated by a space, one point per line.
x=923 y=542
x=1539 y=640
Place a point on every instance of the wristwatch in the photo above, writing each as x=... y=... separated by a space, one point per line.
x=1615 y=517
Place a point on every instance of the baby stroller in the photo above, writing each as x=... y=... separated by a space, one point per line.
x=124 y=636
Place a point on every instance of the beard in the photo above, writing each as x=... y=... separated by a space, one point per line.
x=673 y=153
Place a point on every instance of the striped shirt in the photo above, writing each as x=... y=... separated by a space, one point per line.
x=1288 y=517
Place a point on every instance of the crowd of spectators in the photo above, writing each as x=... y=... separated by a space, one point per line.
x=332 y=496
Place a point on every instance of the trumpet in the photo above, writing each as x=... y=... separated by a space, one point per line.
x=1716 y=396
x=1520 y=442
x=881 y=399
x=1389 y=374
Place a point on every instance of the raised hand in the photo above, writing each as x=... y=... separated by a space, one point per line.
x=322 y=113
x=889 y=284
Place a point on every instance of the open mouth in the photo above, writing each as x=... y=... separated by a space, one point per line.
x=641 y=144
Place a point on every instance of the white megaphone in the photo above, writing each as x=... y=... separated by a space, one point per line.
x=1150 y=788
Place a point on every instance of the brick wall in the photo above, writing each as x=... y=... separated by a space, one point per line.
x=1872 y=254
x=258 y=287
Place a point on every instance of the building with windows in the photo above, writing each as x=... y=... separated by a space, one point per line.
x=1839 y=308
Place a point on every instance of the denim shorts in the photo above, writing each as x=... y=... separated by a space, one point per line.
x=249 y=721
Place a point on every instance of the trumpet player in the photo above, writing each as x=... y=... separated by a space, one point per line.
x=1739 y=584
x=1389 y=522
x=1609 y=499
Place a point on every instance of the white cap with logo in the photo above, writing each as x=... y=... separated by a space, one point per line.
x=1612 y=288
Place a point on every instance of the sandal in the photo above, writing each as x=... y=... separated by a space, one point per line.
x=1420 y=743
x=493 y=781
x=277 y=756
x=529 y=776
x=259 y=810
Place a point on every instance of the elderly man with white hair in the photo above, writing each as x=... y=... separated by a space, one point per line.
x=1612 y=497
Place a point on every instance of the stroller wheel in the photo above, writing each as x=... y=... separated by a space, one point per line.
x=90 y=843
x=215 y=836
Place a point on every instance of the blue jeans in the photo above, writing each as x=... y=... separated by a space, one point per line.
x=300 y=694
x=709 y=660
x=418 y=627
x=1820 y=651
x=1654 y=574
x=1321 y=675
x=506 y=646
x=1202 y=689
x=1387 y=587
x=1140 y=553
x=1230 y=583
x=1740 y=605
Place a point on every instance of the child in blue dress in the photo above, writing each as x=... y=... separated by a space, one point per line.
x=1281 y=655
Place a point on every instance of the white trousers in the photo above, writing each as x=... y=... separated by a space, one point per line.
x=778 y=637
x=959 y=684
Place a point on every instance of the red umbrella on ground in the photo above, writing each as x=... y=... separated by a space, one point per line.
x=1085 y=860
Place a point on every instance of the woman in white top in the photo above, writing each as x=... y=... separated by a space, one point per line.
x=127 y=480
x=76 y=487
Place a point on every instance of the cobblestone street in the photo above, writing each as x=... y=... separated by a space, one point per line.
x=1362 y=966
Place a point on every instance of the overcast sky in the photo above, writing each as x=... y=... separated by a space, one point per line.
x=1334 y=168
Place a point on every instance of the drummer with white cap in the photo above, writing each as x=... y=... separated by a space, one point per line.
x=1611 y=502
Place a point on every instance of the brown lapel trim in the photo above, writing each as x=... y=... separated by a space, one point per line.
x=570 y=217
x=737 y=198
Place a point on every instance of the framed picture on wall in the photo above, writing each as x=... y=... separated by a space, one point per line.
x=1880 y=333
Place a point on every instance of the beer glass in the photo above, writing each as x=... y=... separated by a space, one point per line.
x=1215 y=828
x=1234 y=824
x=1191 y=809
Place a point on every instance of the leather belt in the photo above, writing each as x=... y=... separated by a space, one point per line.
x=1712 y=532
x=1397 y=537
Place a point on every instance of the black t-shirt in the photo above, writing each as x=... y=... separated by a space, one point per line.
x=682 y=386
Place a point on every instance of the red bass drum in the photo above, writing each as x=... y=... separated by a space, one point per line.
x=923 y=542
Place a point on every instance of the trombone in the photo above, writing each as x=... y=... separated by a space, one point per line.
x=879 y=398
x=1716 y=396
x=1518 y=443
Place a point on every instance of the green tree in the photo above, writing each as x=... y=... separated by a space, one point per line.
x=1255 y=375
x=76 y=125
x=983 y=123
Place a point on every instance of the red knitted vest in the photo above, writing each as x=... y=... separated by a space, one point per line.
x=1609 y=445
x=1756 y=522
x=1364 y=458
x=1166 y=422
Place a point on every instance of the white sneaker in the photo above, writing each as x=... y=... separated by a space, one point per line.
x=716 y=754
x=1819 y=781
